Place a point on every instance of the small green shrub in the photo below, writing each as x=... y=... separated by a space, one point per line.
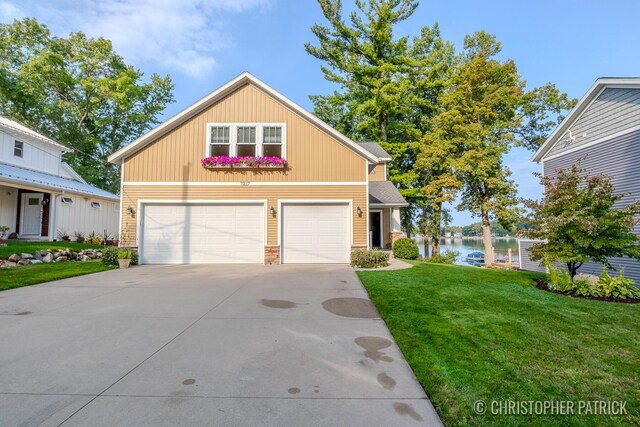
x=449 y=257
x=93 y=239
x=558 y=280
x=405 y=248
x=79 y=236
x=110 y=256
x=369 y=259
x=616 y=287
x=124 y=254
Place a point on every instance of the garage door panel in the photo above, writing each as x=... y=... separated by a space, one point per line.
x=315 y=233
x=203 y=234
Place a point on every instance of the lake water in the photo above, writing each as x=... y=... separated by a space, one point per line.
x=466 y=246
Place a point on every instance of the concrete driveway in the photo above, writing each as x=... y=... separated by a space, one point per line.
x=203 y=345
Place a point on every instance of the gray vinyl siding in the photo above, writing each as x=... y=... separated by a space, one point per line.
x=525 y=257
x=618 y=158
x=615 y=110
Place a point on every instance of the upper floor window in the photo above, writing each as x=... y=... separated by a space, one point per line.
x=219 y=140
x=18 y=149
x=244 y=139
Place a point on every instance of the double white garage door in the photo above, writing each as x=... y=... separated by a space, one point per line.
x=236 y=233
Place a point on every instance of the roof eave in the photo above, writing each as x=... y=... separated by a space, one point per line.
x=389 y=205
x=224 y=90
x=583 y=103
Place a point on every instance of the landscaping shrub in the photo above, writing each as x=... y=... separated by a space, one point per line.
x=111 y=254
x=449 y=257
x=93 y=239
x=405 y=248
x=369 y=259
x=617 y=287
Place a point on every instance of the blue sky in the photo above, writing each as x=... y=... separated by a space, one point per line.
x=204 y=43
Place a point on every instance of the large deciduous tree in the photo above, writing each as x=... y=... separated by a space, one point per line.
x=581 y=219
x=78 y=91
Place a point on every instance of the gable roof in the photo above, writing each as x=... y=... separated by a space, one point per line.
x=218 y=94
x=19 y=131
x=385 y=193
x=375 y=149
x=594 y=91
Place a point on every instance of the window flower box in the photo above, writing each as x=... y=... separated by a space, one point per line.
x=239 y=162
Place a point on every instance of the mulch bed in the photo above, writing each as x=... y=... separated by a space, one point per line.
x=541 y=284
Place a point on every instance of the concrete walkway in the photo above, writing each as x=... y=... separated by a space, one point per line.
x=394 y=264
x=203 y=345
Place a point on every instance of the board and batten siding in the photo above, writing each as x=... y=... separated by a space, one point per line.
x=312 y=154
x=378 y=172
x=42 y=157
x=357 y=194
x=81 y=217
x=613 y=111
x=619 y=158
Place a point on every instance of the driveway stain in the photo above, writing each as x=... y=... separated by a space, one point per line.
x=351 y=307
x=406 y=409
x=372 y=347
x=23 y=313
x=294 y=390
x=189 y=381
x=277 y=303
x=386 y=381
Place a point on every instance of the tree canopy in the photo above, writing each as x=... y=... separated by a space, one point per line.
x=78 y=91
x=581 y=218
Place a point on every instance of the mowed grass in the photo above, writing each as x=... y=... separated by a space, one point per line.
x=40 y=273
x=30 y=247
x=475 y=334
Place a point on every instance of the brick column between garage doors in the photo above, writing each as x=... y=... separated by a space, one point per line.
x=272 y=255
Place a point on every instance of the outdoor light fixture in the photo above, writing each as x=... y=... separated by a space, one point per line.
x=272 y=211
x=45 y=202
x=359 y=211
x=130 y=210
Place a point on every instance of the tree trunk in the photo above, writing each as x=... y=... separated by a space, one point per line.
x=425 y=222
x=486 y=238
x=437 y=231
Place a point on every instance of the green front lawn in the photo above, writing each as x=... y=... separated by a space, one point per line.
x=31 y=247
x=40 y=273
x=475 y=334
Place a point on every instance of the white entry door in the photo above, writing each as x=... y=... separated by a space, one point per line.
x=316 y=233
x=202 y=234
x=31 y=221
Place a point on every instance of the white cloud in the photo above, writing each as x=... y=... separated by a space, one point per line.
x=9 y=12
x=179 y=35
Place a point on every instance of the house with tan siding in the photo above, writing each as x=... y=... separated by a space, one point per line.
x=602 y=132
x=247 y=176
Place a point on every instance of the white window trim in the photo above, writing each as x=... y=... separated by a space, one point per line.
x=96 y=205
x=233 y=137
x=15 y=143
x=68 y=201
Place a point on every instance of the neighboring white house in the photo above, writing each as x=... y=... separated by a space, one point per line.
x=41 y=195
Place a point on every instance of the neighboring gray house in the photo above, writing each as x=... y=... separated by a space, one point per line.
x=604 y=131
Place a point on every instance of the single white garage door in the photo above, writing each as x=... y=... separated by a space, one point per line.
x=202 y=234
x=316 y=233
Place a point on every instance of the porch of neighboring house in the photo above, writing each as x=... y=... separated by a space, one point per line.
x=26 y=211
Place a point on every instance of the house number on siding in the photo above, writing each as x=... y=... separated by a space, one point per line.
x=245 y=183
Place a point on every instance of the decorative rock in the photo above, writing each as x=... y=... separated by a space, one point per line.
x=14 y=258
x=23 y=262
x=57 y=254
x=38 y=255
x=62 y=258
x=48 y=257
x=26 y=256
x=85 y=258
x=35 y=261
x=7 y=264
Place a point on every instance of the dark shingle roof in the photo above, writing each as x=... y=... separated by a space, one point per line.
x=375 y=149
x=385 y=193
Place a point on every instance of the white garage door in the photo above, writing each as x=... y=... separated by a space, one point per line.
x=316 y=233
x=202 y=234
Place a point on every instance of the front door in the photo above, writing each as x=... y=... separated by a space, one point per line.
x=31 y=221
x=375 y=229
